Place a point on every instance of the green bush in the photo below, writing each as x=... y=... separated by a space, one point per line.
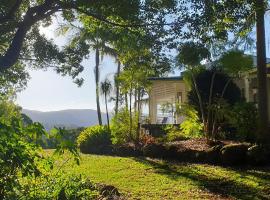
x=121 y=129
x=245 y=119
x=191 y=126
x=95 y=139
x=173 y=133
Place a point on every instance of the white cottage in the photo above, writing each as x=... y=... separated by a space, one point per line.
x=173 y=90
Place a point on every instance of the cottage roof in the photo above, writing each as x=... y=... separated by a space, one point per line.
x=172 y=78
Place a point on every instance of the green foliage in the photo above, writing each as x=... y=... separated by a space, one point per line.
x=57 y=135
x=244 y=117
x=120 y=127
x=94 y=139
x=21 y=157
x=191 y=126
x=174 y=133
x=235 y=61
x=203 y=79
x=58 y=186
x=17 y=154
x=192 y=54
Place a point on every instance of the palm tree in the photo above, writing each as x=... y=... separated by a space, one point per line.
x=117 y=87
x=106 y=88
x=101 y=47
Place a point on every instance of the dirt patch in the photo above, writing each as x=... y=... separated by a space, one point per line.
x=199 y=144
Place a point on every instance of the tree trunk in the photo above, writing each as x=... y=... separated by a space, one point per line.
x=117 y=88
x=130 y=114
x=106 y=104
x=261 y=73
x=126 y=100
x=210 y=102
x=135 y=98
x=139 y=114
x=97 y=87
x=199 y=99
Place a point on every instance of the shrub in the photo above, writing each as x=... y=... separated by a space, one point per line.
x=191 y=126
x=234 y=154
x=173 y=133
x=245 y=119
x=95 y=139
x=120 y=127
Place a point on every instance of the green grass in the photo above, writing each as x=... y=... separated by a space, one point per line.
x=139 y=178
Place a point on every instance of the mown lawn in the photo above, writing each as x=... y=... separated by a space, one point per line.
x=140 y=178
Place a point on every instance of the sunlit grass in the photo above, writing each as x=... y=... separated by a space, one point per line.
x=139 y=178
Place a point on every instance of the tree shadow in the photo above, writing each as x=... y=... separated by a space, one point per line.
x=217 y=185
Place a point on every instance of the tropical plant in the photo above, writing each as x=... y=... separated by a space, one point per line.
x=120 y=127
x=234 y=22
x=191 y=126
x=190 y=56
x=94 y=139
x=244 y=117
x=106 y=88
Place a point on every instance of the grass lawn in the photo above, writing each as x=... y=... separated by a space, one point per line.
x=139 y=178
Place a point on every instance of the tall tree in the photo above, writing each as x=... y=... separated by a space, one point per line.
x=262 y=72
x=190 y=56
x=232 y=22
x=106 y=88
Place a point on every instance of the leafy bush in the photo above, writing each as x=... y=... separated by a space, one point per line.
x=203 y=80
x=244 y=118
x=173 y=133
x=57 y=135
x=25 y=173
x=95 y=139
x=191 y=126
x=121 y=129
x=17 y=154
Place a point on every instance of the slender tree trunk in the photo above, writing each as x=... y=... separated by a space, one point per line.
x=199 y=99
x=130 y=113
x=139 y=114
x=210 y=102
x=126 y=100
x=106 y=104
x=117 y=88
x=135 y=98
x=97 y=87
x=261 y=72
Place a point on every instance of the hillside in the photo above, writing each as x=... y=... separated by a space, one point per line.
x=72 y=118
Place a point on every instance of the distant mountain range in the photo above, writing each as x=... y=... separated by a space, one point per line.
x=72 y=118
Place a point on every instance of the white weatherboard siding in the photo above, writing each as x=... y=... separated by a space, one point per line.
x=166 y=91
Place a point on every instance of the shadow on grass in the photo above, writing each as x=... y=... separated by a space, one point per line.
x=215 y=184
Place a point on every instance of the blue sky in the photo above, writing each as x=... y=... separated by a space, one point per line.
x=48 y=91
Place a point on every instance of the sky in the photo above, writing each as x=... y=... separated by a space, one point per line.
x=48 y=91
